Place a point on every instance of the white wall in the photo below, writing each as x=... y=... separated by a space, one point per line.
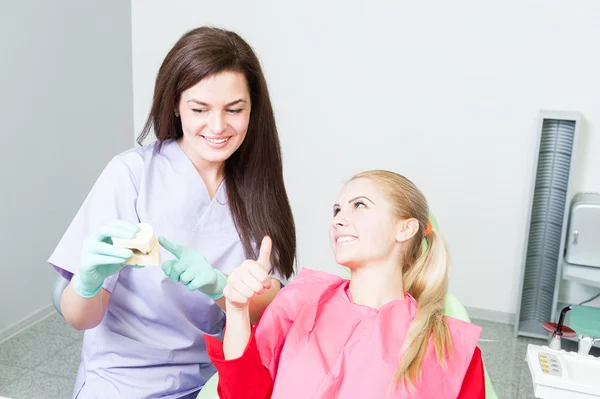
x=447 y=93
x=66 y=108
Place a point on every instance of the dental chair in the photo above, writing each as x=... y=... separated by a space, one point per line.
x=453 y=309
x=57 y=289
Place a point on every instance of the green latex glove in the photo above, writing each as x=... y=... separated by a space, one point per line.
x=100 y=259
x=193 y=270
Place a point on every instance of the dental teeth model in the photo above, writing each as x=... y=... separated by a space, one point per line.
x=145 y=247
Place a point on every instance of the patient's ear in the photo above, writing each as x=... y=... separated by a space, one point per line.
x=406 y=229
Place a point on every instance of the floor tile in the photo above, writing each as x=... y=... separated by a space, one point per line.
x=494 y=331
x=36 y=385
x=64 y=363
x=8 y=374
x=30 y=348
x=526 y=384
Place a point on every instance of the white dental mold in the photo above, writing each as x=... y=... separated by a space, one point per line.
x=145 y=247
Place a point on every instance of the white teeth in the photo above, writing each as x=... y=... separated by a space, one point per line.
x=216 y=141
x=345 y=238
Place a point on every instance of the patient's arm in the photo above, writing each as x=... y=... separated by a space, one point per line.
x=244 y=377
x=473 y=386
x=250 y=367
x=237 y=333
x=247 y=282
x=265 y=340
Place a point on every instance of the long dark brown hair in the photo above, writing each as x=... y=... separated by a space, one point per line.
x=254 y=173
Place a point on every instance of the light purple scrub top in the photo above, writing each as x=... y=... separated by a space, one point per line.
x=150 y=343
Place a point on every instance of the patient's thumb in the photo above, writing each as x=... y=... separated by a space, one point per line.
x=264 y=254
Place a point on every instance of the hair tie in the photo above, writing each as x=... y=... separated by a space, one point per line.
x=429 y=228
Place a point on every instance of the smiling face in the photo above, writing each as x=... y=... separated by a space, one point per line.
x=214 y=113
x=364 y=228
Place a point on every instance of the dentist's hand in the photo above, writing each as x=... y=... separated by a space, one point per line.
x=100 y=259
x=249 y=279
x=193 y=270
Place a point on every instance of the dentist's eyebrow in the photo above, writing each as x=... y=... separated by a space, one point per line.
x=206 y=105
x=236 y=102
x=354 y=199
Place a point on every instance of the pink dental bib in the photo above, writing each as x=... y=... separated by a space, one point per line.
x=316 y=343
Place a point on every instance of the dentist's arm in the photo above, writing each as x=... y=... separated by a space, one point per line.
x=84 y=301
x=83 y=313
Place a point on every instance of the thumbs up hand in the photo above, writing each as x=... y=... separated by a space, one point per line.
x=249 y=279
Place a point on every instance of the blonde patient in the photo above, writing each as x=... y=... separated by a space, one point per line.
x=382 y=334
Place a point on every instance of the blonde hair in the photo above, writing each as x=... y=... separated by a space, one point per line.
x=424 y=275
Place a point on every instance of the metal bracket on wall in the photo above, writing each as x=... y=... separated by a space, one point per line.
x=547 y=222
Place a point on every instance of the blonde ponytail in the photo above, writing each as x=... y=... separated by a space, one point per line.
x=427 y=282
